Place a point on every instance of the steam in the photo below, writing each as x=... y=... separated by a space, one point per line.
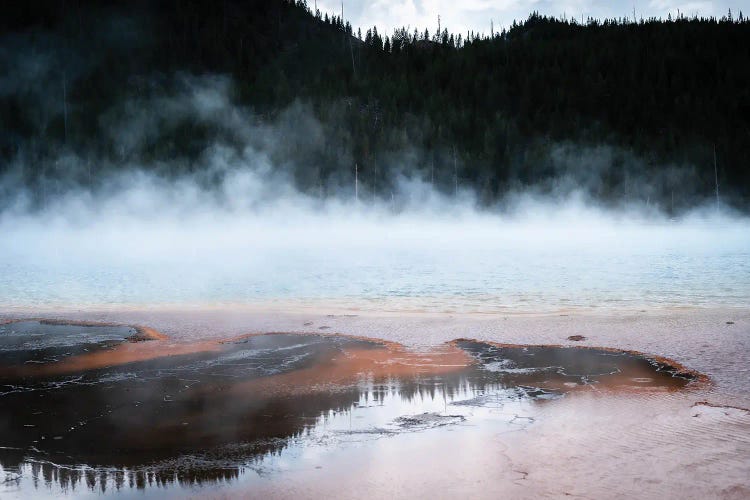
x=229 y=223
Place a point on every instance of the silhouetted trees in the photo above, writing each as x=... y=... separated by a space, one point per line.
x=487 y=110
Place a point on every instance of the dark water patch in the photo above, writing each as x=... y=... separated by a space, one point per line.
x=562 y=368
x=212 y=413
x=49 y=341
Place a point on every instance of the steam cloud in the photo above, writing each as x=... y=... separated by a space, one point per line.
x=237 y=216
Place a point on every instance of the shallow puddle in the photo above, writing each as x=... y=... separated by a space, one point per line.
x=83 y=407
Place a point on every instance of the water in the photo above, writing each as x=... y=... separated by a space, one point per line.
x=300 y=416
x=97 y=422
x=380 y=265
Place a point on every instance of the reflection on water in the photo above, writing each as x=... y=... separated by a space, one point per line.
x=209 y=413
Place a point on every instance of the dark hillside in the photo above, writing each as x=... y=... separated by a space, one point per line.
x=626 y=104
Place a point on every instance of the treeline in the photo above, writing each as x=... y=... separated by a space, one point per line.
x=648 y=107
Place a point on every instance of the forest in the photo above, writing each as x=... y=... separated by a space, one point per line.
x=626 y=110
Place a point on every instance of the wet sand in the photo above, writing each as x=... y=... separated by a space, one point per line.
x=419 y=414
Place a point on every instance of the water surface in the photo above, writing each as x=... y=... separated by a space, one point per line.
x=391 y=265
x=238 y=409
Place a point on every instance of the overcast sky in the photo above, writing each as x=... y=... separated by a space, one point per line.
x=462 y=15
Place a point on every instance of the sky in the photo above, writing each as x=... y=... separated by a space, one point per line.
x=459 y=16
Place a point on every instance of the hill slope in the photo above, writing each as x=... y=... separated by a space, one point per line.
x=623 y=111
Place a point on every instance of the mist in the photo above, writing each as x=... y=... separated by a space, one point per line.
x=241 y=212
x=238 y=231
x=142 y=215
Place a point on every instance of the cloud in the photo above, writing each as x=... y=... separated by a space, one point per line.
x=673 y=7
x=460 y=17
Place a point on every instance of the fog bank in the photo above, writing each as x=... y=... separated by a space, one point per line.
x=144 y=240
x=242 y=208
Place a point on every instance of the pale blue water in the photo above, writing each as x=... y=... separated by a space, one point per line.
x=453 y=267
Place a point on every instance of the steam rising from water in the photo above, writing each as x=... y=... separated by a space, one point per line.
x=237 y=230
x=255 y=239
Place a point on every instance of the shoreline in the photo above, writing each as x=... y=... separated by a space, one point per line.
x=354 y=308
x=714 y=342
x=696 y=379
